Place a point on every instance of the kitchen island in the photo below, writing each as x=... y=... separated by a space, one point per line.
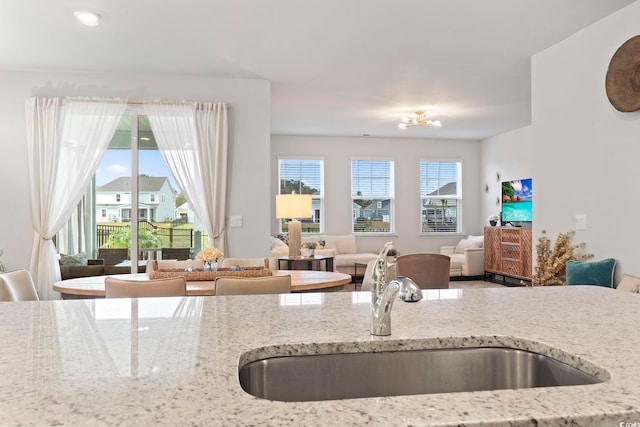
x=174 y=361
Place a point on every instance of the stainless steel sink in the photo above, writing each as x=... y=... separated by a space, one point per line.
x=396 y=373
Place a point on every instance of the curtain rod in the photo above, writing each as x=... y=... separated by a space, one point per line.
x=136 y=102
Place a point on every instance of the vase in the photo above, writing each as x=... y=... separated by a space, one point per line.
x=210 y=265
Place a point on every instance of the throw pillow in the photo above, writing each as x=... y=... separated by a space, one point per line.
x=598 y=273
x=477 y=239
x=345 y=244
x=284 y=237
x=466 y=244
x=77 y=259
x=629 y=284
x=277 y=243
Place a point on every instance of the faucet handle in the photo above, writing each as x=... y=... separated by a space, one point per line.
x=409 y=290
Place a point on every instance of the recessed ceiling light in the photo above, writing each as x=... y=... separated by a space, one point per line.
x=87 y=18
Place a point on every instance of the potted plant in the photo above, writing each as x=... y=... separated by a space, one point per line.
x=308 y=249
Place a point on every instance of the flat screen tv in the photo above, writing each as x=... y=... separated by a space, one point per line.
x=516 y=201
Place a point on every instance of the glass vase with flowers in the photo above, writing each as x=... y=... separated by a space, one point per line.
x=209 y=258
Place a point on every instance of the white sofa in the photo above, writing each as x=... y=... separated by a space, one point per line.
x=467 y=257
x=342 y=247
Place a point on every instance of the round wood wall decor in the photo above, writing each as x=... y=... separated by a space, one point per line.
x=623 y=77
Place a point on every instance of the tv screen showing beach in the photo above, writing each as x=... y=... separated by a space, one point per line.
x=516 y=200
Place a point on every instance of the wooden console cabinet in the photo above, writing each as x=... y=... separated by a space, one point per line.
x=507 y=251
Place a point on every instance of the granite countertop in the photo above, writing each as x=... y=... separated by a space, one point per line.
x=174 y=361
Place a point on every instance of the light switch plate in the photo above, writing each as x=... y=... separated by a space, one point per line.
x=236 y=221
x=580 y=222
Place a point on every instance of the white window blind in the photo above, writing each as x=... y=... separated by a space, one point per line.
x=372 y=194
x=441 y=196
x=304 y=176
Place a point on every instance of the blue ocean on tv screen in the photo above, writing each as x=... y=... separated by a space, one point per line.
x=516 y=211
x=516 y=200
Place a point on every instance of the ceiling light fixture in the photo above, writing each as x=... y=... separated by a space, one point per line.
x=90 y=19
x=420 y=118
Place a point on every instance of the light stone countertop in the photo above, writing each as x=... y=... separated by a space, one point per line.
x=174 y=361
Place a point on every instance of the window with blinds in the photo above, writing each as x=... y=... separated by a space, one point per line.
x=304 y=176
x=372 y=195
x=441 y=196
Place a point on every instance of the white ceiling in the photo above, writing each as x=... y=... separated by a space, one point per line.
x=337 y=67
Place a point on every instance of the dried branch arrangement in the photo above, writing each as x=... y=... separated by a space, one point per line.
x=551 y=264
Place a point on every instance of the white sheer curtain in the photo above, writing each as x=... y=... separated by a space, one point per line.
x=193 y=140
x=65 y=142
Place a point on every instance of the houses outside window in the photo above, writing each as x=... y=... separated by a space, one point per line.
x=111 y=214
x=441 y=196
x=304 y=176
x=372 y=194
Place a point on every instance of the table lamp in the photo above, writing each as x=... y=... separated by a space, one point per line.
x=294 y=206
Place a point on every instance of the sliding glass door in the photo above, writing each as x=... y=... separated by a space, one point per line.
x=134 y=208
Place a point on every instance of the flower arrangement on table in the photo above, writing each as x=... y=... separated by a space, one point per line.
x=493 y=219
x=308 y=248
x=209 y=258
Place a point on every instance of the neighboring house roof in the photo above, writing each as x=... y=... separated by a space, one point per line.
x=446 y=190
x=145 y=183
x=374 y=205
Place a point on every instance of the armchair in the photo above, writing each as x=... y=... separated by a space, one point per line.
x=467 y=257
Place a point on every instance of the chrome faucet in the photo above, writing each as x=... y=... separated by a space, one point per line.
x=384 y=291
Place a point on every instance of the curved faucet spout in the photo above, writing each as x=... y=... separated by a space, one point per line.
x=381 y=310
x=384 y=291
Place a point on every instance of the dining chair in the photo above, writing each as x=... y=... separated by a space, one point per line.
x=17 y=286
x=244 y=262
x=229 y=285
x=120 y=288
x=176 y=253
x=428 y=270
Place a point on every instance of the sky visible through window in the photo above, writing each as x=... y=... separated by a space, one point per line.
x=117 y=163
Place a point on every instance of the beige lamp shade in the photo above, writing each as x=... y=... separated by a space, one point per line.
x=293 y=206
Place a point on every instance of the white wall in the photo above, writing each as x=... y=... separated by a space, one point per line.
x=586 y=152
x=510 y=156
x=249 y=137
x=337 y=153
